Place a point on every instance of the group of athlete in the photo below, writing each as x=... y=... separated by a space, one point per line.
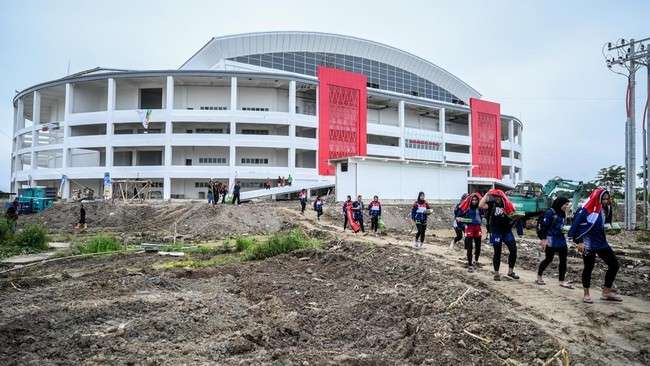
x=587 y=231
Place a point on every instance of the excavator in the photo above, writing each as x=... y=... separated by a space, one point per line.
x=532 y=199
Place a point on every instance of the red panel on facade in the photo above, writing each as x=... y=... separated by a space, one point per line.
x=342 y=114
x=486 y=138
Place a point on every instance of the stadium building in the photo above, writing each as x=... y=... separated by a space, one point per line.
x=254 y=106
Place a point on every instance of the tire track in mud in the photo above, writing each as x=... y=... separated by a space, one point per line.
x=603 y=333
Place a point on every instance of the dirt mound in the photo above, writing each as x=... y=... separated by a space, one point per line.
x=190 y=221
x=352 y=304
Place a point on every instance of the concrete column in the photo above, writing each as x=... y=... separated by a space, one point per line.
x=511 y=140
x=36 y=119
x=469 y=129
x=169 y=101
x=521 y=154
x=69 y=100
x=233 y=93
x=443 y=143
x=109 y=157
x=168 y=155
x=167 y=188
x=66 y=190
x=134 y=157
x=20 y=122
x=402 y=128
x=110 y=108
x=292 y=97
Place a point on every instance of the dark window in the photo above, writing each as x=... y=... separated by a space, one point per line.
x=151 y=98
x=344 y=167
x=188 y=161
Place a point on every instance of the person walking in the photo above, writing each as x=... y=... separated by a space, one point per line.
x=419 y=214
x=210 y=196
x=588 y=231
x=12 y=215
x=302 y=196
x=471 y=212
x=289 y=180
x=357 y=209
x=223 y=192
x=235 y=193
x=553 y=240
x=347 y=206
x=318 y=207
x=374 y=209
x=82 y=217
x=500 y=210
x=457 y=224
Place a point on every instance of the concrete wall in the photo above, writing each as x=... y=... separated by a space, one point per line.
x=276 y=100
x=180 y=153
x=398 y=181
x=197 y=96
x=89 y=98
x=277 y=157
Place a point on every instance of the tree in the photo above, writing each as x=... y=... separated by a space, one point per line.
x=611 y=178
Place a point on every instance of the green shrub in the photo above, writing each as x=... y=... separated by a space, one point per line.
x=32 y=238
x=101 y=243
x=244 y=243
x=5 y=231
x=280 y=243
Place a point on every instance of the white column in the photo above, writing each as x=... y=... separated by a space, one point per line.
x=167 y=188
x=36 y=119
x=168 y=155
x=511 y=140
x=110 y=108
x=469 y=129
x=402 y=129
x=21 y=114
x=441 y=121
x=66 y=190
x=69 y=100
x=292 y=97
x=169 y=101
x=233 y=93
x=521 y=155
x=134 y=157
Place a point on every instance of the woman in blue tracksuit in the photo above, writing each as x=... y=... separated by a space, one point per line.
x=553 y=240
x=357 y=210
x=419 y=214
x=374 y=209
x=458 y=226
x=588 y=231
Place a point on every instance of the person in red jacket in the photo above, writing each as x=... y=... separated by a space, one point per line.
x=374 y=208
x=419 y=214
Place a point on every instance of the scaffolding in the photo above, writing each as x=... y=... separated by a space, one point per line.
x=132 y=189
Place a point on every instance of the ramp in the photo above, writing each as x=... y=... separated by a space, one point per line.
x=297 y=186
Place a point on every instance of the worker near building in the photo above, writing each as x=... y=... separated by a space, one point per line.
x=457 y=224
x=210 y=196
x=374 y=209
x=318 y=207
x=223 y=192
x=347 y=206
x=357 y=209
x=12 y=215
x=215 y=187
x=553 y=240
x=302 y=196
x=588 y=231
x=235 y=193
x=501 y=221
x=82 y=217
x=470 y=212
x=289 y=180
x=419 y=214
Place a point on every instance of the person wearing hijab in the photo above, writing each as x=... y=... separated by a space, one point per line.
x=588 y=231
x=459 y=226
x=470 y=210
x=500 y=220
x=553 y=240
x=419 y=215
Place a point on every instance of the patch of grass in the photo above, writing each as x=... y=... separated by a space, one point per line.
x=6 y=233
x=32 y=237
x=100 y=243
x=280 y=243
x=202 y=263
x=199 y=249
x=243 y=243
x=643 y=237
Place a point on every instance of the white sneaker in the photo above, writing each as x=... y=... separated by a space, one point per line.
x=415 y=244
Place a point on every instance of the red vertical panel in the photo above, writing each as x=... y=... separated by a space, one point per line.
x=342 y=116
x=486 y=138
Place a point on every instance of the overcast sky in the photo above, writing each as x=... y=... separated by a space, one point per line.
x=540 y=59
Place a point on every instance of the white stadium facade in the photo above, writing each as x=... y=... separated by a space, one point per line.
x=262 y=105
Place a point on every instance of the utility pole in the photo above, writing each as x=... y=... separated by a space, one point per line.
x=631 y=56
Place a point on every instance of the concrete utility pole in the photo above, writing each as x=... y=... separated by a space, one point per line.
x=631 y=56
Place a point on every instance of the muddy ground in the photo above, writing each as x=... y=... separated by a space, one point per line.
x=361 y=300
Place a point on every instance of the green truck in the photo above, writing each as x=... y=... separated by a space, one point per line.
x=532 y=199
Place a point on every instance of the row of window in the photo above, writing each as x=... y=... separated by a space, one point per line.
x=380 y=75
x=422 y=144
x=254 y=132
x=255 y=161
x=212 y=160
x=213 y=108
x=255 y=109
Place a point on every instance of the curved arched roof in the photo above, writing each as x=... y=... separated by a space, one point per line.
x=229 y=47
